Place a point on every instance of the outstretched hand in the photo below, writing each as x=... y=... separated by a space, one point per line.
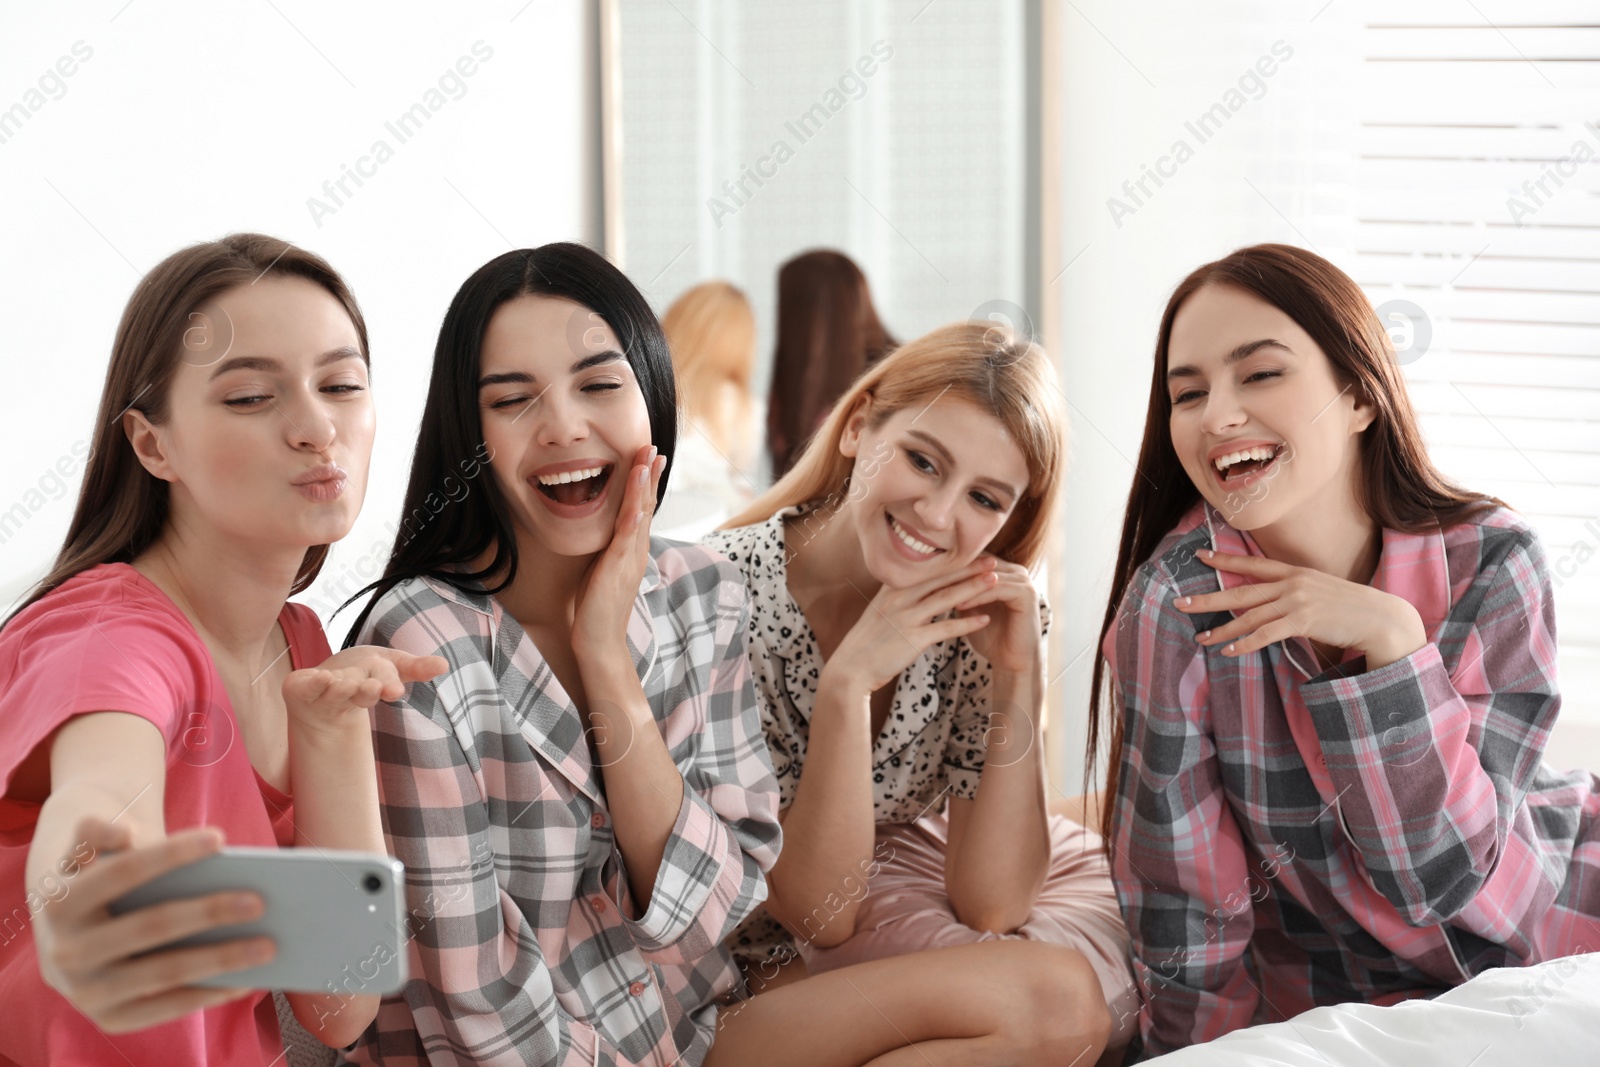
x=354 y=680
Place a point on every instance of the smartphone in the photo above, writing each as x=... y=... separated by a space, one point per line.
x=336 y=917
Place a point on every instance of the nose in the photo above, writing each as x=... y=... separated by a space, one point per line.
x=309 y=424
x=557 y=422
x=936 y=509
x=1222 y=411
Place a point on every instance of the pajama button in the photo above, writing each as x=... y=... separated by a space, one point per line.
x=599 y=903
x=636 y=989
x=597 y=820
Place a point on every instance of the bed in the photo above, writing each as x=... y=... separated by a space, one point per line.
x=1547 y=1015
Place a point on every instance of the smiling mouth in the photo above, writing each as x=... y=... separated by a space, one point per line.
x=918 y=546
x=1246 y=461
x=573 y=488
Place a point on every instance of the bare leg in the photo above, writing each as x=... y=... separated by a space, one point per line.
x=992 y=1003
x=767 y=976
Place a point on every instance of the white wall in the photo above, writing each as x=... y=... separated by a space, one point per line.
x=1124 y=110
x=191 y=120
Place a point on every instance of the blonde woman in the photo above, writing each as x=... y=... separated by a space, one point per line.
x=897 y=642
x=711 y=333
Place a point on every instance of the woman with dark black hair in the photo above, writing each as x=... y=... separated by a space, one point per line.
x=583 y=801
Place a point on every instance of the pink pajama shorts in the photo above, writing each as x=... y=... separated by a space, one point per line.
x=906 y=910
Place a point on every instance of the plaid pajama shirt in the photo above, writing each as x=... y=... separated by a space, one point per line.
x=525 y=945
x=1284 y=838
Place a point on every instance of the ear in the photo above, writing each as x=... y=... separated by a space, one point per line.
x=146 y=439
x=854 y=424
x=1362 y=413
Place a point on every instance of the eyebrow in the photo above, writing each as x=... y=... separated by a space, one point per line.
x=944 y=454
x=518 y=377
x=1244 y=351
x=263 y=363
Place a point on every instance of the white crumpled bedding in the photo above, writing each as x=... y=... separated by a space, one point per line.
x=1547 y=1015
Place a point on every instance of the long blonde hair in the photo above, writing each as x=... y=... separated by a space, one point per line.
x=984 y=364
x=711 y=332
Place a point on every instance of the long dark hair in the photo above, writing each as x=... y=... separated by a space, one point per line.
x=828 y=333
x=122 y=507
x=442 y=541
x=1399 y=487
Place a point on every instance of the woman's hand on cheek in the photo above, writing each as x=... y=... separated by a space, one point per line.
x=1283 y=601
x=608 y=590
x=1013 y=640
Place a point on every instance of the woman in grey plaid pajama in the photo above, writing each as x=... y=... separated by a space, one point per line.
x=1336 y=677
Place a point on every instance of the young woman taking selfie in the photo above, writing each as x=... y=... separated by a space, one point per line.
x=158 y=697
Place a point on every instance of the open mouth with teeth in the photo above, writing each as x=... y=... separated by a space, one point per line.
x=573 y=488
x=1247 y=461
x=916 y=545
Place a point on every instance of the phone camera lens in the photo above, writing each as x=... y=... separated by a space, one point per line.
x=372 y=883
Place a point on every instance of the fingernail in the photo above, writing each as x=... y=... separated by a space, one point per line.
x=246 y=906
x=1230 y=649
x=1186 y=601
x=262 y=952
x=1205 y=634
x=644 y=472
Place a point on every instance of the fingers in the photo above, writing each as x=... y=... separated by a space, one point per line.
x=418 y=668
x=1014 y=593
x=984 y=564
x=1254 y=565
x=1247 y=623
x=408 y=666
x=108 y=877
x=1243 y=596
x=345 y=687
x=943 y=600
x=361 y=676
x=1271 y=633
x=650 y=483
x=162 y=924
x=956 y=626
x=160 y=1009
x=162 y=972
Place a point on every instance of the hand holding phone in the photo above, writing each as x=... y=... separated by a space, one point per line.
x=97 y=959
x=335 y=918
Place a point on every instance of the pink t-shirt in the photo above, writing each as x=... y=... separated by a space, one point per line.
x=110 y=640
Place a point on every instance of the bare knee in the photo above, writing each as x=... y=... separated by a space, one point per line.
x=1060 y=1013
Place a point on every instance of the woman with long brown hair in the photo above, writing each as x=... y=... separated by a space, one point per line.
x=1334 y=679
x=828 y=333
x=156 y=691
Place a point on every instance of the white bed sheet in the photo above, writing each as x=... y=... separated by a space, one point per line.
x=1547 y=1015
